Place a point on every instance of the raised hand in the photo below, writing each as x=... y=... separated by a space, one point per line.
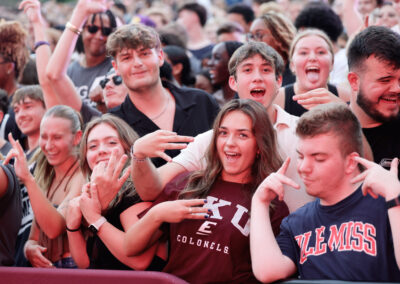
x=89 y=204
x=89 y=7
x=178 y=210
x=108 y=179
x=34 y=253
x=32 y=10
x=378 y=181
x=154 y=144
x=316 y=97
x=20 y=163
x=272 y=185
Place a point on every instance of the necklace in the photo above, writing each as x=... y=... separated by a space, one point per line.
x=50 y=196
x=162 y=112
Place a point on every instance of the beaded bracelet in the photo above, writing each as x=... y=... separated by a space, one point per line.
x=73 y=29
x=40 y=43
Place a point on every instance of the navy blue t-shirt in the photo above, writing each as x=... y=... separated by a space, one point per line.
x=350 y=240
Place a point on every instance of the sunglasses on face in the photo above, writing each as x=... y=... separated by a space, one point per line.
x=117 y=80
x=104 y=30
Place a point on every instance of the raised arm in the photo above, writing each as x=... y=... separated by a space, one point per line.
x=352 y=20
x=49 y=218
x=268 y=262
x=56 y=70
x=148 y=180
x=378 y=181
x=42 y=49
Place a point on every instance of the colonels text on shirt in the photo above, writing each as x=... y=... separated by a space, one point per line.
x=240 y=220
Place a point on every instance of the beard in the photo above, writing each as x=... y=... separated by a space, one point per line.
x=371 y=110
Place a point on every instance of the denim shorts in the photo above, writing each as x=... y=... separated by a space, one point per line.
x=67 y=262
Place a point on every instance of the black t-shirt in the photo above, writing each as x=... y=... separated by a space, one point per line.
x=295 y=108
x=384 y=140
x=195 y=111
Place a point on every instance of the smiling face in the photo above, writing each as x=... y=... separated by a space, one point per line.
x=378 y=90
x=218 y=65
x=56 y=140
x=28 y=114
x=95 y=44
x=256 y=80
x=236 y=146
x=139 y=68
x=311 y=61
x=101 y=140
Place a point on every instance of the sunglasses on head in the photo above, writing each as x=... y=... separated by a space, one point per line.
x=117 y=80
x=104 y=30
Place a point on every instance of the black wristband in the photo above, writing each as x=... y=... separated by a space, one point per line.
x=73 y=230
x=393 y=203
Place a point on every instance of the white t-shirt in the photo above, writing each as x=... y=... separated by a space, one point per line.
x=192 y=157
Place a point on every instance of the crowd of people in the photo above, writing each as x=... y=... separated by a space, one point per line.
x=218 y=141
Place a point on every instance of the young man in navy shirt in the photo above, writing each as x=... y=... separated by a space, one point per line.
x=347 y=233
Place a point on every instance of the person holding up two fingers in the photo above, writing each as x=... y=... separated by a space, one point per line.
x=347 y=233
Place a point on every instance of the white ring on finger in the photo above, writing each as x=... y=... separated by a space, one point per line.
x=190 y=210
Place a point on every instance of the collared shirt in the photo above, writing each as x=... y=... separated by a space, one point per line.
x=195 y=111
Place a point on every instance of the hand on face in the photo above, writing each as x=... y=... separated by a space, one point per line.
x=378 y=181
x=20 y=163
x=108 y=179
x=154 y=144
x=272 y=186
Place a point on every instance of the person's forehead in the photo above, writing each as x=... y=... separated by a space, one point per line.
x=256 y=59
x=321 y=143
x=27 y=100
x=104 y=19
x=378 y=67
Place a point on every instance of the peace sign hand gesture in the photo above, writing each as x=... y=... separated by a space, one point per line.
x=272 y=186
x=20 y=163
x=378 y=181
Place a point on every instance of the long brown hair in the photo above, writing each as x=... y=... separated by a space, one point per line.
x=127 y=136
x=266 y=161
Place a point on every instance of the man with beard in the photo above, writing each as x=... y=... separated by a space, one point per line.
x=374 y=64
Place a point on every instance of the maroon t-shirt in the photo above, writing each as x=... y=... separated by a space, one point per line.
x=216 y=249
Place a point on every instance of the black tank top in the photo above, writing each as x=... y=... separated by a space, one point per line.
x=293 y=107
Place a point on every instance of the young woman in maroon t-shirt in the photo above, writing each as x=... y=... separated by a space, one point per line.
x=209 y=210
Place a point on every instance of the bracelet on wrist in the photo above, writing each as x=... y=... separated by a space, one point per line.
x=73 y=230
x=136 y=159
x=40 y=43
x=73 y=29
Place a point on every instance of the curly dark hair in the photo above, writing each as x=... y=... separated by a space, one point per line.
x=13 y=47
